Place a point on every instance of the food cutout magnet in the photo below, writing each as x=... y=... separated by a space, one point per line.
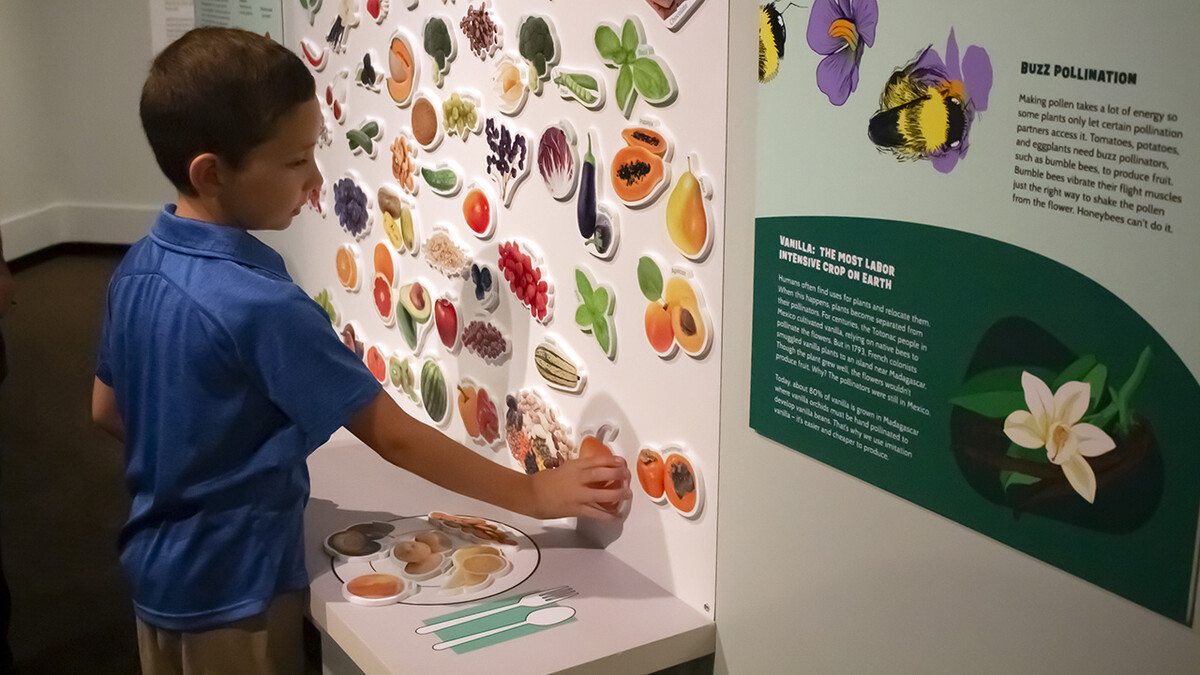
x=399 y=219
x=594 y=313
x=486 y=287
x=352 y=338
x=364 y=140
x=426 y=126
x=404 y=163
x=434 y=392
x=559 y=368
x=335 y=96
x=674 y=13
x=523 y=271
x=414 y=311
x=508 y=84
x=401 y=376
x=651 y=473
x=325 y=300
x=478 y=211
x=378 y=10
x=403 y=69
x=447 y=319
x=684 y=487
x=584 y=87
x=599 y=443
x=376 y=360
x=483 y=339
x=315 y=55
x=369 y=74
x=348 y=263
x=509 y=157
x=346 y=18
x=311 y=7
x=484 y=34
x=352 y=205
x=641 y=170
x=689 y=213
x=639 y=70
x=536 y=435
x=597 y=220
x=461 y=114
x=675 y=316
x=478 y=411
x=558 y=160
x=445 y=179
x=537 y=43
x=439 y=43
x=444 y=254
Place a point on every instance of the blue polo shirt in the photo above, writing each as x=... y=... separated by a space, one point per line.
x=227 y=376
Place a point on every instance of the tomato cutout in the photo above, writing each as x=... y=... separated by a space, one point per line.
x=477 y=212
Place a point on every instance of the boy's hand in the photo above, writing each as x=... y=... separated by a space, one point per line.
x=594 y=488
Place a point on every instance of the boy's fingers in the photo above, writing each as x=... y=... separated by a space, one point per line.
x=605 y=474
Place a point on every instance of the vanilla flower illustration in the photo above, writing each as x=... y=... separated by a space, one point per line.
x=839 y=30
x=1053 y=421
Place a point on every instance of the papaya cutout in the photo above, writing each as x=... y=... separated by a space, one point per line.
x=641 y=169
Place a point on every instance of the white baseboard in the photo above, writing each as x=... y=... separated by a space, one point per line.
x=74 y=223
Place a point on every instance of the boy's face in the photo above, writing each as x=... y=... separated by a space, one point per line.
x=277 y=176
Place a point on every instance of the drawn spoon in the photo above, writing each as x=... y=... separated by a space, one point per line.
x=540 y=617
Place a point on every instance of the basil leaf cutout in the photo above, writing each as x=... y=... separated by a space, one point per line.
x=599 y=301
x=583 y=316
x=600 y=330
x=625 y=89
x=584 y=286
x=629 y=37
x=371 y=129
x=650 y=80
x=650 y=278
x=608 y=44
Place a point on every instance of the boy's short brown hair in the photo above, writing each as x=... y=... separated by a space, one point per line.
x=218 y=90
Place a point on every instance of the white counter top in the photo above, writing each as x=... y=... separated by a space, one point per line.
x=624 y=622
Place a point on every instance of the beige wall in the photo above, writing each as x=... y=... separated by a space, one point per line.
x=73 y=162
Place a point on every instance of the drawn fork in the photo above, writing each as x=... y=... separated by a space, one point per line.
x=537 y=599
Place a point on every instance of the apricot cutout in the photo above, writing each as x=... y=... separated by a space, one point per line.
x=659 y=329
x=686 y=321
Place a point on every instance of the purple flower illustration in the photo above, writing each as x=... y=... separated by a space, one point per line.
x=971 y=80
x=840 y=30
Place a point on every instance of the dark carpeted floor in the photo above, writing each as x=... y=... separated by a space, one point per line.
x=62 y=499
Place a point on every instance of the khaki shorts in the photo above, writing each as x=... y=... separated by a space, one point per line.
x=270 y=643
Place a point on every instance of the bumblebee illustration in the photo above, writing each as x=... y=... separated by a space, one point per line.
x=772 y=34
x=923 y=113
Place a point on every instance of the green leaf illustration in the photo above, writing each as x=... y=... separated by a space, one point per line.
x=992 y=393
x=650 y=278
x=371 y=129
x=625 y=89
x=650 y=80
x=1074 y=372
x=599 y=301
x=600 y=330
x=583 y=316
x=608 y=44
x=583 y=286
x=629 y=37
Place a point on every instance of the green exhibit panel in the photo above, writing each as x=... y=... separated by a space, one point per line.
x=987 y=383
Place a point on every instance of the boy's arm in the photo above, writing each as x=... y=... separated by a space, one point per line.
x=412 y=445
x=104 y=410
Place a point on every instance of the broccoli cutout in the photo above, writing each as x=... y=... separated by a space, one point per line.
x=538 y=44
x=440 y=45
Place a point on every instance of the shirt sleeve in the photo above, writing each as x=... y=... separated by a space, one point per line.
x=302 y=364
x=103 y=366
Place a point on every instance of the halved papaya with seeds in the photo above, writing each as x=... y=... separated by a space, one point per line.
x=646 y=138
x=636 y=172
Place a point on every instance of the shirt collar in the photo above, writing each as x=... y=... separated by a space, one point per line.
x=197 y=237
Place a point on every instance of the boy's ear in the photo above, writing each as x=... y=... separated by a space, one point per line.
x=205 y=175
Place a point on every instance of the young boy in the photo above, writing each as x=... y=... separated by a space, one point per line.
x=221 y=375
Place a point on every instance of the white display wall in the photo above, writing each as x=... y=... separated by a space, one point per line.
x=653 y=401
